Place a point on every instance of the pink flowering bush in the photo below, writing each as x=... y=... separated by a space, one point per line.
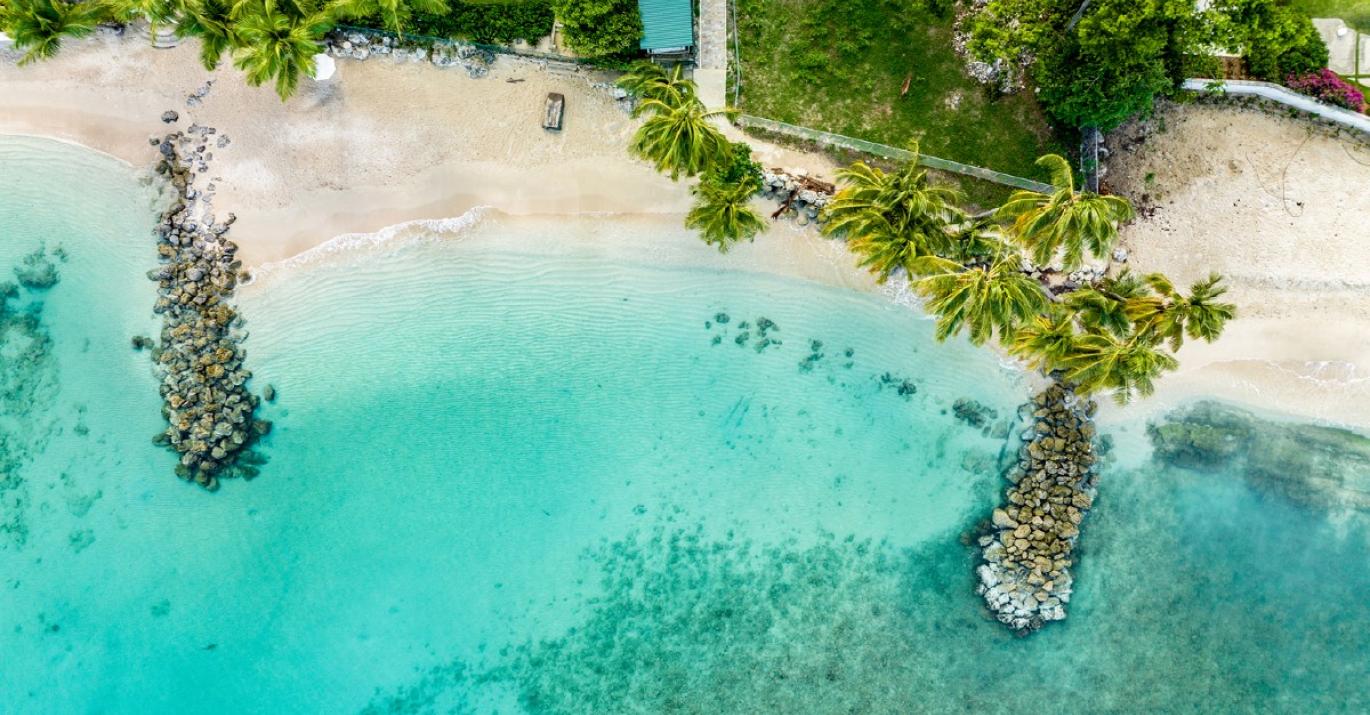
x=1326 y=86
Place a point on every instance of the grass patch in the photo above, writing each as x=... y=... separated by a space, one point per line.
x=839 y=66
x=1356 y=13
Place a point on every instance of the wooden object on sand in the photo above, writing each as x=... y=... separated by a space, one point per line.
x=552 y=112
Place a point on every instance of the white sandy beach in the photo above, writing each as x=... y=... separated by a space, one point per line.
x=1283 y=212
x=384 y=143
x=380 y=144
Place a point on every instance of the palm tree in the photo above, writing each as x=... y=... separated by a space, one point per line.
x=395 y=15
x=1098 y=311
x=680 y=137
x=722 y=212
x=1128 y=366
x=1066 y=219
x=985 y=299
x=156 y=12
x=649 y=80
x=278 y=41
x=1168 y=315
x=1106 y=305
x=974 y=239
x=884 y=249
x=39 y=26
x=212 y=22
x=871 y=198
x=1046 y=341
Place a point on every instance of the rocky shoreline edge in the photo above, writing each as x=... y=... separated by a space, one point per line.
x=209 y=411
x=1025 y=578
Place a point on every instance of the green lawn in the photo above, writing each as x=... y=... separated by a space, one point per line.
x=1356 y=13
x=839 y=65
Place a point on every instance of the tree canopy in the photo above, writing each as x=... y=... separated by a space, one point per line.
x=1099 y=62
x=594 y=28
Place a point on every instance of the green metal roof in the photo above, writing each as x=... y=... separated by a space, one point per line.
x=666 y=24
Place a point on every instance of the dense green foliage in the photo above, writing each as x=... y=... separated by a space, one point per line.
x=212 y=22
x=595 y=28
x=272 y=41
x=1121 y=54
x=486 y=22
x=1116 y=334
x=393 y=15
x=1275 y=38
x=840 y=66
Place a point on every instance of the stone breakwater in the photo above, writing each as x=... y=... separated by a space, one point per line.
x=209 y=411
x=1026 y=580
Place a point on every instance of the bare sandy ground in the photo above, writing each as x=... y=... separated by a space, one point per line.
x=380 y=144
x=1283 y=211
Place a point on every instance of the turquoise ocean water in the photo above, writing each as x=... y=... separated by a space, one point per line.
x=516 y=470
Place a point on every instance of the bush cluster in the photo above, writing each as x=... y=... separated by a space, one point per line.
x=598 y=28
x=484 y=22
x=1107 y=63
x=1326 y=86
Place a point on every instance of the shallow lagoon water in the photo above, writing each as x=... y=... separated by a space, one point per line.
x=517 y=469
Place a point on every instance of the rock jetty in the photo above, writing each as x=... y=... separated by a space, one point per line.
x=1026 y=580
x=209 y=411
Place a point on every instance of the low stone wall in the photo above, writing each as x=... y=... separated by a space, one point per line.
x=361 y=46
x=1026 y=580
x=209 y=411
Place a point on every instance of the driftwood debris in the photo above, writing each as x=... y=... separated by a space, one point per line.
x=808 y=182
x=788 y=201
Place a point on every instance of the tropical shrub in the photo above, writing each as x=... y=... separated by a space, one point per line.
x=484 y=22
x=600 y=27
x=396 y=16
x=1120 y=54
x=737 y=167
x=1276 y=40
x=1326 y=86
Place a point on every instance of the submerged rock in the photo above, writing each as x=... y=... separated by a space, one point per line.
x=1313 y=465
x=973 y=413
x=1026 y=579
x=37 y=271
